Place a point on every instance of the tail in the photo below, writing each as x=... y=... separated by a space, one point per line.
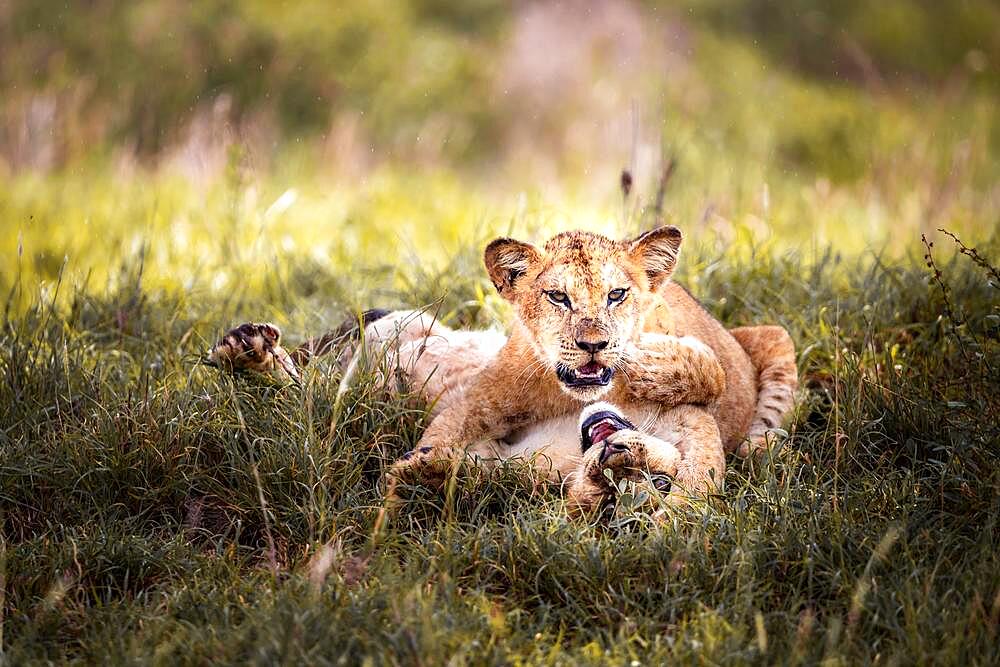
x=772 y=353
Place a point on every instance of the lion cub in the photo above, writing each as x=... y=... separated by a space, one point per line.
x=596 y=320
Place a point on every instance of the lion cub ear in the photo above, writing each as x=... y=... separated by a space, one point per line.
x=507 y=260
x=656 y=251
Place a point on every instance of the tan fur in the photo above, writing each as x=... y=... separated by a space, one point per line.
x=692 y=388
x=772 y=353
x=441 y=364
x=636 y=336
x=681 y=445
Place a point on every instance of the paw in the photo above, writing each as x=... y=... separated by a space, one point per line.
x=658 y=456
x=617 y=455
x=252 y=347
x=759 y=445
x=670 y=370
x=425 y=466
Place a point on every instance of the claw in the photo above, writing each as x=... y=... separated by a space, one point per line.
x=271 y=333
x=286 y=364
x=238 y=351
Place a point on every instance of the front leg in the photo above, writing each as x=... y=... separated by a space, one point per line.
x=487 y=411
x=435 y=456
x=672 y=370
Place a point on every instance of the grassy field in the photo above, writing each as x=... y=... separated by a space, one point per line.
x=156 y=511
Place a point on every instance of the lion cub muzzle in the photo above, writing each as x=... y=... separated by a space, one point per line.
x=593 y=374
x=599 y=426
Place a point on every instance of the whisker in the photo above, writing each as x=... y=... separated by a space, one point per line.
x=531 y=369
x=619 y=366
x=526 y=369
x=647 y=423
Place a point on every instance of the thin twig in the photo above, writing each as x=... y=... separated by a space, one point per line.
x=661 y=189
x=975 y=257
x=936 y=276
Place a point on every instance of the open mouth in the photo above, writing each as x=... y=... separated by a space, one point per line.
x=591 y=374
x=599 y=426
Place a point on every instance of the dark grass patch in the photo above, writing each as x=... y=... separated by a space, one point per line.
x=153 y=510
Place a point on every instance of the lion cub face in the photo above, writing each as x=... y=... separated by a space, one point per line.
x=613 y=451
x=582 y=297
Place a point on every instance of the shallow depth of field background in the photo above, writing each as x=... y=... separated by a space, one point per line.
x=170 y=169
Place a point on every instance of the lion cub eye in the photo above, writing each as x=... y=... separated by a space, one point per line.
x=617 y=295
x=661 y=481
x=558 y=298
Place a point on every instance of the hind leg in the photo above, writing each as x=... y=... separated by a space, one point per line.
x=772 y=353
x=408 y=350
x=257 y=347
x=252 y=347
x=413 y=352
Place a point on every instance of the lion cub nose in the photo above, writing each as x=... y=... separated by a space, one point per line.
x=612 y=448
x=593 y=348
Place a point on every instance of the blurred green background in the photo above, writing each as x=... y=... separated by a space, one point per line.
x=223 y=135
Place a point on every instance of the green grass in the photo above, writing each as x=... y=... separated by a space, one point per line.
x=154 y=510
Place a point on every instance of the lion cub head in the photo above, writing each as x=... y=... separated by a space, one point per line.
x=582 y=298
